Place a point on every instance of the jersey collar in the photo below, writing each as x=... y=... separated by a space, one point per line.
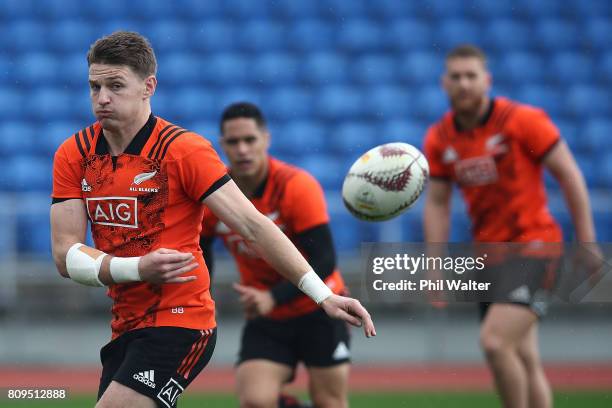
x=484 y=119
x=136 y=145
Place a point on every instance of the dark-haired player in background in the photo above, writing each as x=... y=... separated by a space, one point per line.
x=495 y=149
x=283 y=326
x=141 y=182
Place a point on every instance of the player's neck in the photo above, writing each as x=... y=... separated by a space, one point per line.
x=250 y=184
x=120 y=138
x=469 y=121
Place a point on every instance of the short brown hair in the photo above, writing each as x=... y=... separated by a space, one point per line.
x=467 y=51
x=124 y=48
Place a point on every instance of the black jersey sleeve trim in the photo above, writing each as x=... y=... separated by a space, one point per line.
x=548 y=150
x=215 y=186
x=56 y=200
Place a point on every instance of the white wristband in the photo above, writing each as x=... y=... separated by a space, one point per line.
x=83 y=264
x=125 y=269
x=312 y=285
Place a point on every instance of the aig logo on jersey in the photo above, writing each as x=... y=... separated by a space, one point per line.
x=113 y=211
x=170 y=393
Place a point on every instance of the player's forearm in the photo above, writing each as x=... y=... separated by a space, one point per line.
x=577 y=198
x=278 y=250
x=436 y=222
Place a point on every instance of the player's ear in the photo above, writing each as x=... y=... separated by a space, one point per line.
x=150 y=86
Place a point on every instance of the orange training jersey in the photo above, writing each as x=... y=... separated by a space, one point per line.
x=498 y=167
x=147 y=198
x=294 y=200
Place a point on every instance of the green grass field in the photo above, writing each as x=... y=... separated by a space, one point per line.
x=357 y=400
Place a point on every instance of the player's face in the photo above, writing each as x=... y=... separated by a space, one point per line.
x=467 y=83
x=118 y=94
x=246 y=146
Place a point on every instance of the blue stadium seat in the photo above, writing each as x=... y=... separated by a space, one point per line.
x=538 y=9
x=6 y=70
x=17 y=138
x=457 y=31
x=301 y=137
x=341 y=9
x=247 y=9
x=569 y=133
x=297 y=10
x=325 y=68
x=71 y=36
x=16 y=9
x=589 y=169
x=262 y=36
x=111 y=25
x=411 y=132
x=507 y=35
x=408 y=34
x=328 y=170
x=346 y=231
x=189 y=103
x=353 y=138
x=33 y=234
x=80 y=106
x=275 y=68
x=603 y=225
x=213 y=36
x=485 y=9
x=432 y=103
x=168 y=35
x=59 y=9
x=420 y=68
x=149 y=10
x=340 y=102
x=289 y=103
x=589 y=9
x=571 y=67
x=556 y=34
x=22 y=35
x=461 y=228
x=11 y=103
x=179 y=68
x=29 y=173
x=360 y=35
x=392 y=9
x=389 y=101
x=372 y=69
x=55 y=133
x=199 y=10
x=442 y=8
x=598 y=32
x=596 y=134
x=49 y=102
x=520 y=67
x=311 y=35
x=36 y=68
x=604 y=165
x=209 y=129
x=588 y=101
x=605 y=68
x=73 y=70
x=235 y=94
x=93 y=10
x=228 y=69
x=412 y=226
x=545 y=97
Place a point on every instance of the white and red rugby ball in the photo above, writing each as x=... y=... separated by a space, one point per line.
x=385 y=181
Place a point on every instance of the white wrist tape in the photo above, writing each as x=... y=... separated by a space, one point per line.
x=83 y=264
x=312 y=285
x=125 y=269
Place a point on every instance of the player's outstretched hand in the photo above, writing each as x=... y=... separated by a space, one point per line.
x=351 y=311
x=166 y=266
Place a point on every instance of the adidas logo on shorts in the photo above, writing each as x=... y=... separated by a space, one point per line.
x=146 y=377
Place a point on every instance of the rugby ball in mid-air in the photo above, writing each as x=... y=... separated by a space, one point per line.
x=385 y=181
